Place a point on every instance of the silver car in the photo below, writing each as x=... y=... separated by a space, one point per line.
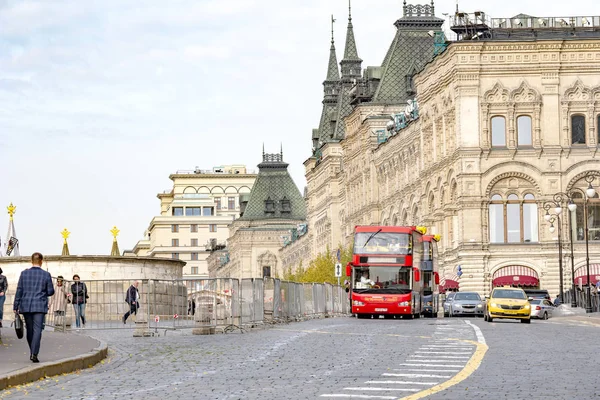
x=541 y=308
x=466 y=303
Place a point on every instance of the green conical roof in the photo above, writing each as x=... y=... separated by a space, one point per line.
x=274 y=194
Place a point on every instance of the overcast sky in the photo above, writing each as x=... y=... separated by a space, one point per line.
x=100 y=100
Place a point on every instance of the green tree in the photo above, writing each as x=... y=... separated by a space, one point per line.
x=321 y=268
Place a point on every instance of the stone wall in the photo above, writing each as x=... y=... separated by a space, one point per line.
x=107 y=279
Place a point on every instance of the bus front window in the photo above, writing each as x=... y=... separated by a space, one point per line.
x=382 y=279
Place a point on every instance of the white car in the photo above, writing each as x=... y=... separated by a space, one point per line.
x=541 y=308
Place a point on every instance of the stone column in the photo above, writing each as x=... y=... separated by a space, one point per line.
x=142 y=317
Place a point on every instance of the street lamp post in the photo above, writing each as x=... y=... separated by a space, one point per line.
x=556 y=218
x=587 y=194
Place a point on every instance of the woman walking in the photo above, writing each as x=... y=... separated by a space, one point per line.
x=79 y=296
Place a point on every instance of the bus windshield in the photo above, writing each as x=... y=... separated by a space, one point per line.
x=381 y=243
x=382 y=280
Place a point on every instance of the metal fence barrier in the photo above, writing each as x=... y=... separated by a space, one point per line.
x=219 y=304
x=581 y=298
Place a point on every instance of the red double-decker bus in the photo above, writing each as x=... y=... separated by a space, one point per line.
x=386 y=271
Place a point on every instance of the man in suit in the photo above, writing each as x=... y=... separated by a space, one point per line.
x=31 y=300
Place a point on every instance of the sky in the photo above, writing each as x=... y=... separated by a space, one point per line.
x=100 y=100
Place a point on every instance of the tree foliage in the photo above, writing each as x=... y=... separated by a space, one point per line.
x=322 y=268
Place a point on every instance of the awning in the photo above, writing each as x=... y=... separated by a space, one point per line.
x=516 y=280
x=581 y=273
x=515 y=275
x=449 y=284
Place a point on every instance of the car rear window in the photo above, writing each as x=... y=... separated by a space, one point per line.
x=509 y=294
x=467 y=296
x=536 y=301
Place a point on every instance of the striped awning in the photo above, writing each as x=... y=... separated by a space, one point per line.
x=581 y=273
x=515 y=275
x=449 y=281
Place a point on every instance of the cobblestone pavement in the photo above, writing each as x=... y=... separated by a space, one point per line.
x=342 y=358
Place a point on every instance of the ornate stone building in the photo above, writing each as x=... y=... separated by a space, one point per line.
x=505 y=122
x=274 y=209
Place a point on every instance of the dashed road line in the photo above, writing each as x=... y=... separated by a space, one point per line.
x=417 y=375
x=358 y=396
x=404 y=382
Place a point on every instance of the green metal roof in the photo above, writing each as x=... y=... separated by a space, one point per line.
x=272 y=189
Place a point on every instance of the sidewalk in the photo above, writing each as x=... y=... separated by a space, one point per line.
x=60 y=353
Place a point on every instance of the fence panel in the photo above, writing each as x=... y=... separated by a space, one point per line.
x=277 y=301
x=95 y=304
x=268 y=299
x=259 y=305
x=309 y=305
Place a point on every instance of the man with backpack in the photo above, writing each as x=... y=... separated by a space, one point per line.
x=132 y=297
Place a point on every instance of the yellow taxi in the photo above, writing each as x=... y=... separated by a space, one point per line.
x=509 y=303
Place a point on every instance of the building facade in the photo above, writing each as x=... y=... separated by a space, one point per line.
x=195 y=215
x=503 y=123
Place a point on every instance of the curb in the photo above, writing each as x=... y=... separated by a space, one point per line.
x=48 y=369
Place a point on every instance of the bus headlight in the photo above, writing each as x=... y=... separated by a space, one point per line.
x=404 y=304
x=358 y=303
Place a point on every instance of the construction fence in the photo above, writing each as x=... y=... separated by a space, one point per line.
x=216 y=304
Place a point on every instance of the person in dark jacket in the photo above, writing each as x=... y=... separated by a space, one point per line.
x=3 y=289
x=31 y=300
x=132 y=297
x=79 y=296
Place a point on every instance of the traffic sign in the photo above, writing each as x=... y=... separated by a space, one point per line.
x=156 y=319
x=338 y=270
x=339 y=255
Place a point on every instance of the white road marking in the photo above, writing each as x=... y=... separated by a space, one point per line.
x=437 y=356
x=433 y=365
x=426 y=370
x=442 y=352
x=374 y=389
x=404 y=382
x=359 y=396
x=478 y=332
x=417 y=375
x=433 y=360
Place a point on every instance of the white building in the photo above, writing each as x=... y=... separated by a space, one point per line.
x=194 y=216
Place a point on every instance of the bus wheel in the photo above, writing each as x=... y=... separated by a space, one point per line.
x=362 y=316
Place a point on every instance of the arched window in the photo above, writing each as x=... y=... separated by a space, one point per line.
x=496 y=219
x=498 y=132
x=513 y=220
x=524 y=136
x=530 y=219
x=578 y=129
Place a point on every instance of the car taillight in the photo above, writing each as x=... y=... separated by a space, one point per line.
x=538 y=308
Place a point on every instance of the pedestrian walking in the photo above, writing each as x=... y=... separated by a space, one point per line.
x=3 y=289
x=132 y=297
x=58 y=302
x=79 y=296
x=31 y=300
x=557 y=301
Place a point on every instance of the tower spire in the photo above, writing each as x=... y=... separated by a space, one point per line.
x=350 y=52
x=333 y=74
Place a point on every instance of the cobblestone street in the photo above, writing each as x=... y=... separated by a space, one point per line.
x=342 y=358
